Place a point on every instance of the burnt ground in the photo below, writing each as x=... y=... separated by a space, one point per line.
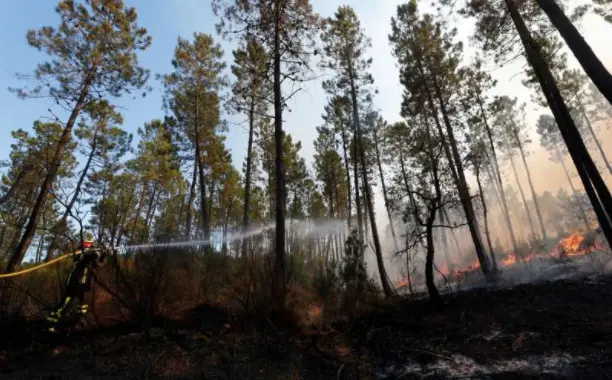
x=551 y=330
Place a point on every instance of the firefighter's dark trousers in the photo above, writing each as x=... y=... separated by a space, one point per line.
x=75 y=296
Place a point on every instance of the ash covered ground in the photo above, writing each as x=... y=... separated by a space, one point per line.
x=558 y=325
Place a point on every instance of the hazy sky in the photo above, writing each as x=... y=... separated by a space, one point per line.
x=168 y=19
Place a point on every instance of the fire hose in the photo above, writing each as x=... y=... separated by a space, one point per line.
x=40 y=266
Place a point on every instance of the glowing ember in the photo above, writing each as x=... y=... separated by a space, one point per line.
x=402 y=284
x=509 y=260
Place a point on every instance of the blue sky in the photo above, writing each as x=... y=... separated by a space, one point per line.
x=168 y=19
x=165 y=21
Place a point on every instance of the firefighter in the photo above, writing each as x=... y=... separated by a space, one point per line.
x=78 y=282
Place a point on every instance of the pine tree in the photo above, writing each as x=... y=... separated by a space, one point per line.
x=29 y=163
x=592 y=65
x=251 y=93
x=509 y=119
x=492 y=29
x=192 y=94
x=93 y=55
x=428 y=59
x=344 y=45
x=286 y=29
x=476 y=83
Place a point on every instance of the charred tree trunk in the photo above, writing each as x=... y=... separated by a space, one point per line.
x=39 y=205
x=592 y=65
x=596 y=188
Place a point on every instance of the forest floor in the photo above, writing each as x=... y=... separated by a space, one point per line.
x=551 y=330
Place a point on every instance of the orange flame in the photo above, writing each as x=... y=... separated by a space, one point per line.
x=509 y=260
x=572 y=243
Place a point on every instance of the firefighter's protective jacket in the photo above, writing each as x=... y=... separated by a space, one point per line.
x=80 y=274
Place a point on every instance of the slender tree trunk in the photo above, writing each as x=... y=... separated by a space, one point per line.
x=357 y=197
x=533 y=192
x=384 y=190
x=200 y=167
x=453 y=234
x=594 y=185
x=191 y=199
x=77 y=191
x=434 y=295
x=485 y=218
x=444 y=238
x=348 y=174
x=574 y=192
x=520 y=188
x=368 y=201
x=280 y=170
x=597 y=142
x=591 y=64
x=151 y=211
x=247 y=180
x=498 y=177
x=39 y=205
x=464 y=191
x=145 y=185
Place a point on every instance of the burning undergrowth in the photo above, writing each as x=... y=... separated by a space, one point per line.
x=576 y=255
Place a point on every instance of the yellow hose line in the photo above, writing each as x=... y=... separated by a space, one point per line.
x=37 y=267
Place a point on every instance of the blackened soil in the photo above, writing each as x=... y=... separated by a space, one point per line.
x=478 y=334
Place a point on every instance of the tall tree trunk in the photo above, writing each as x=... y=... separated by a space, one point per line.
x=280 y=170
x=145 y=185
x=200 y=166
x=39 y=205
x=453 y=234
x=592 y=65
x=533 y=192
x=498 y=177
x=191 y=199
x=348 y=173
x=357 y=197
x=434 y=295
x=522 y=193
x=598 y=192
x=597 y=142
x=247 y=180
x=462 y=186
x=485 y=218
x=368 y=196
x=77 y=191
x=574 y=192
x=444 y=238
x=151 y=211
x=384 y=190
